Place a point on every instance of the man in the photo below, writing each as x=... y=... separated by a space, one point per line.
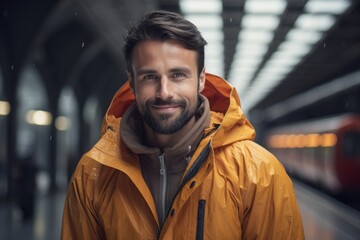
x=176 y=158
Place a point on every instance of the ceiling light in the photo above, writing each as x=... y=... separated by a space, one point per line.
x=268 y=22
x=214 y=61
x=205 y=21
x=246 y=62
x=315 y=22
x=265 y=6
x=200 y=6
x=240 y=80
x=250 y=49
x=304 y=36
x=327 y=6
x=256 y=36
x=212 y=35
x=62 y=123
x=244 y=71
x=4 y=108
x=251 y=46
x=280 y=71
x=214 y=66
x=278 y=60
x=214 y=46
x=38 y=117
x=294 y=48
x=214 y=54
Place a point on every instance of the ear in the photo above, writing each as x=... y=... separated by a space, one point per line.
x=202 y=80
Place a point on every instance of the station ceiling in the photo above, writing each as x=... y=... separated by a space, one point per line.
x=79 y=42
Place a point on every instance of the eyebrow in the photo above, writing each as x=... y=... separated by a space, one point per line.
x=145 y=71
x=181 y=69
x=151 y=71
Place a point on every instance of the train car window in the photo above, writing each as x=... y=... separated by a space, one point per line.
x=351 y=145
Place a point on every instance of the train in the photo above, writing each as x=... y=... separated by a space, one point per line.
x=324 y=152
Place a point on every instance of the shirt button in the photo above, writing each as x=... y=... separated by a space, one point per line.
x=192 y=184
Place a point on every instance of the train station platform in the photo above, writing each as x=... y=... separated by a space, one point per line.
x=323 y=217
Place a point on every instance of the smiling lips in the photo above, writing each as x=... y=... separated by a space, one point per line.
x=165 y=108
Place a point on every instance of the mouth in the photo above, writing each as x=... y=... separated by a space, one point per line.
x=165 y=108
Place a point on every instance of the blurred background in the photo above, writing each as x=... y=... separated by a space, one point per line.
x=295 y=64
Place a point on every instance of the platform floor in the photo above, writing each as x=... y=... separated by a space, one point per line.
x=323 y=218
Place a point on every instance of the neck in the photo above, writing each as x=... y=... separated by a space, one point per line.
x=162 y=141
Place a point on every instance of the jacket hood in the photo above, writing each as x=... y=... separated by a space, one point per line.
x=224 y=103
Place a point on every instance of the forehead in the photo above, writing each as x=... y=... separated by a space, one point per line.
x=151 y=52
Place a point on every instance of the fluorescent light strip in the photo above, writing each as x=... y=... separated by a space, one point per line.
x=265 y=6
x=247 y=58
x=278 y=61
x=240 y=81
x=315 y=22
x=200 y=6
x=214 y=58
x=249 y=53
x=295 y=48
x=260 y=88
x=326 y=6
x=255 y=21
x=205 y=21
x=304 y=36
x=278 y=71
x=256 y=36
x=246 y=62
x=213 y=35
x=250 y=46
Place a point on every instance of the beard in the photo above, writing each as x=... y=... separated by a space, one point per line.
x=167 y=123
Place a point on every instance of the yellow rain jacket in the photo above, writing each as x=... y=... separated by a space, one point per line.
x=232 y=188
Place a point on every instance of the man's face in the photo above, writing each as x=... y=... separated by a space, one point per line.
x=166 y=84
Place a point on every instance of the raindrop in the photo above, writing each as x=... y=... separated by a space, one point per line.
x=75 y=13
x=324 y=45
x=50 y=137
x=82 y=45
x=12 y=67
x=230 y=20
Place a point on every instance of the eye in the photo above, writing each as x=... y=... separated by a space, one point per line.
x=178 y=75
x=150 y=77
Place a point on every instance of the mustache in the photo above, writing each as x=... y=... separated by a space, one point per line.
x=160 y=102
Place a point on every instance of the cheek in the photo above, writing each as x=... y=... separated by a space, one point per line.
x=142 y=95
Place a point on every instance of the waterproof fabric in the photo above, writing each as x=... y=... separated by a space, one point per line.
x=232 y=188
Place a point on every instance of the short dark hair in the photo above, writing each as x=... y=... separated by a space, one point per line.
x=163 y=26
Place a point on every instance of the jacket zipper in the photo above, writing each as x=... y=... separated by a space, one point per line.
x=200 y=220
x=192 y=171
x=163 y=184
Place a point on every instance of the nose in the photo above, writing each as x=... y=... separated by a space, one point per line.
x=164 y=89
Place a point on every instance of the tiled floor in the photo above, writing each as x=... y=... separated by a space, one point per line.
x=326 y=218
x=45 y=225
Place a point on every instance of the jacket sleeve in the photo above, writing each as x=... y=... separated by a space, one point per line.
x=271 y=210
x=79 y=216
